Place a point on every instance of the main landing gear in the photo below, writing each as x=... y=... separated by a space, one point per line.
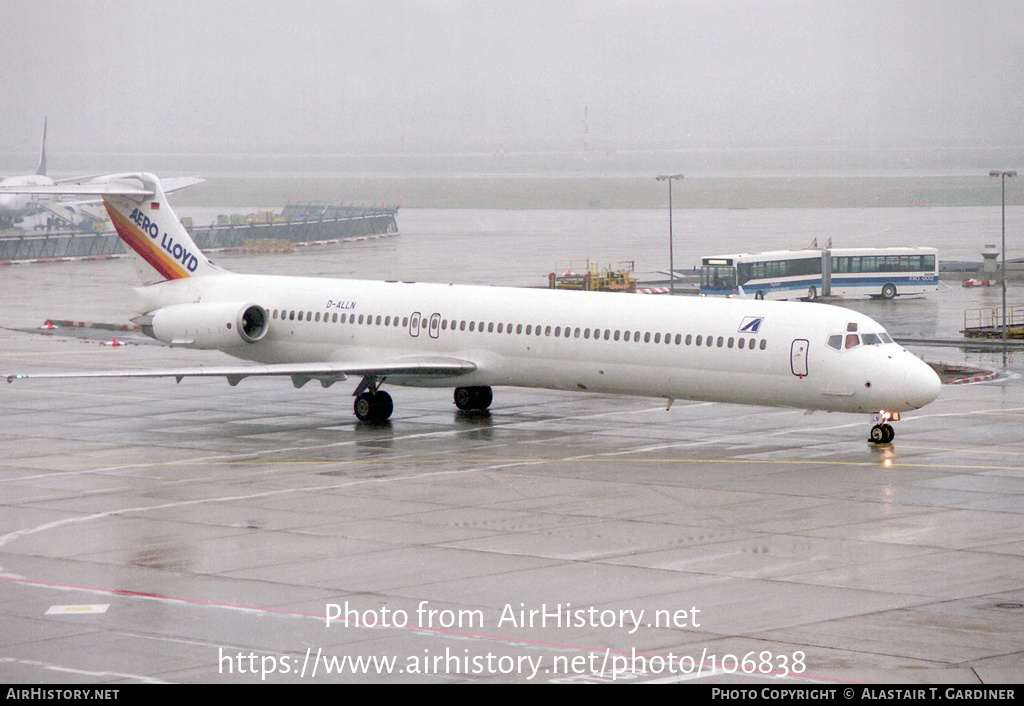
x=372 y=405
x=473 y=398
x=882 y=432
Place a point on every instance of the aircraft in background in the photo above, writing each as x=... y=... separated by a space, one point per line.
x=474 y=338
x=15 y=206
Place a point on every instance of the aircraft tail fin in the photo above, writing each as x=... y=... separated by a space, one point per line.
x=41 y=170
x=160 y=247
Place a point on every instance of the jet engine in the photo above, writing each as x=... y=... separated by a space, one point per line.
x=206 y=326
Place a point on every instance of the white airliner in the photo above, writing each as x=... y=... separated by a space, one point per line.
x=16 y=203
x=13 y=206
x=473 y=338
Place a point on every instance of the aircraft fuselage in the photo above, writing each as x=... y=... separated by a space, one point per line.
x=738 y=351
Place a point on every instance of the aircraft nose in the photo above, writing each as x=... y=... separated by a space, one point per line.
x=920 y=385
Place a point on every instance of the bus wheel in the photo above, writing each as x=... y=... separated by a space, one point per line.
x=759 y=295
x=812 y=294
x=888 y=291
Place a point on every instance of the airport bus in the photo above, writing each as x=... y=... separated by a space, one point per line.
x=807 y=274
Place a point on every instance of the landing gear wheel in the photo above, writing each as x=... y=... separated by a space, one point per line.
x=812 y=294
x=888 y=291
x=469 y=398
x=373 y=407
x=882 y=434
x=759 y=295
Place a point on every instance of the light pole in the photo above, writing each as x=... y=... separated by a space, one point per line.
x=671 y=256
x=1002 y=176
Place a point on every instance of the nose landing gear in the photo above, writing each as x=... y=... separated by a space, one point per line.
x=882 y=432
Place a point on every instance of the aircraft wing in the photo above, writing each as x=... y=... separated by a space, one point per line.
x=300 y=373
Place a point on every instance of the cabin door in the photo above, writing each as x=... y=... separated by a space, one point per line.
x=798 y=357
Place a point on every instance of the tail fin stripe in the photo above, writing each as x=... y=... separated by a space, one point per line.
x=145 y=246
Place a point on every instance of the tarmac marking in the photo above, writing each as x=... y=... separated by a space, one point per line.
x=51 y=667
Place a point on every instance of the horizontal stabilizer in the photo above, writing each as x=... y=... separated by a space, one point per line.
x=105 y=185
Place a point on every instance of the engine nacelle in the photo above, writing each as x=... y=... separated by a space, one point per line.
x=207 y=326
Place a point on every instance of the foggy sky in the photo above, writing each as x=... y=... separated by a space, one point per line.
x=422 y=76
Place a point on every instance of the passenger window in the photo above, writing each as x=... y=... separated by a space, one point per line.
x=764 y=344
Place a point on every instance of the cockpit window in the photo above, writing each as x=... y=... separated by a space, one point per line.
x=852 y=340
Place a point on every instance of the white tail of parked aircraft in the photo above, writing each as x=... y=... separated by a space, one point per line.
x=473 y=338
